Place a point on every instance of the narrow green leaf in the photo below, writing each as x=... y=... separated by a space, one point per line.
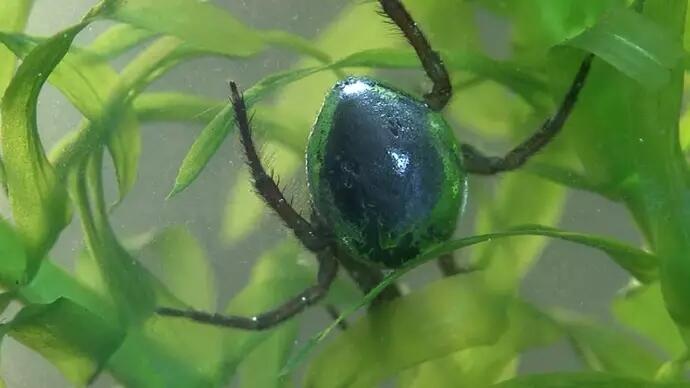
x=13 y=17
x=176 y=107
x=37 y=197
x=634 y=45
x=211 y=137
x=118 y=39
x=655 y=323
x=583 y=380
x=418 y=327
x=74 y=339
x=211 y=28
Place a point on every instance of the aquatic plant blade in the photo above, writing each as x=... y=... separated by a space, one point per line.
x=609 y=350
x=210 y=29
x=183 y=266
x=88 y=81
x=629 y=257
x=176 y=107
x=263 y=366
x=38 y=198
x=118 y=39
x=583 y=380
x=13 y=17
x=655 y=324
x=211 y=137
x=75 y=340
x=634 y=45
x=13 y=265
x=447 y=316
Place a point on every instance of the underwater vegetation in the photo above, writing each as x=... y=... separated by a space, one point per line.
x=626 y=141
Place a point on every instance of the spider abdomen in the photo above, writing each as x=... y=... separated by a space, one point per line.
x=384 y=172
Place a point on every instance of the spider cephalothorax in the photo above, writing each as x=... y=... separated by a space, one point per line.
x=386 y=176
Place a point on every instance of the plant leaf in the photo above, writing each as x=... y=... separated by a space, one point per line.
x=183 y=265
x=418 y=327
x=13 y=265
x=655 y=324
x=74 y=339
x=619 y=252
x=13 y=17
x=211 y=28
x=37 y=197
x=633 y=44
x=118 y=39
x=583 y=380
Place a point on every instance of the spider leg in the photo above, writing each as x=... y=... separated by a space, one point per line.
x=328 y=267
x=478 y=163
x=267 y=188
x=431 y=60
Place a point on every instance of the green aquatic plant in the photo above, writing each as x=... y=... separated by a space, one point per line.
x=626 y=141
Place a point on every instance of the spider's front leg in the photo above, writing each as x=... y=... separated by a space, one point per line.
x=432 y=63
x=309 y=236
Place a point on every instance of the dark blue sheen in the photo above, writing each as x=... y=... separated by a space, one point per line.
x=381 y=166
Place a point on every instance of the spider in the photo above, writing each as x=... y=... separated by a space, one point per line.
x=386 y=177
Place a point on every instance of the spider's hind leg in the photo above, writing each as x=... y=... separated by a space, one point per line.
x=441 y=91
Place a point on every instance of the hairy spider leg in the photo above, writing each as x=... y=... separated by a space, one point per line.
x=305 y=232
x=478 y=163
x=432 y=63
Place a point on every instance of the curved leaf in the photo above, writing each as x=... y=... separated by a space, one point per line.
x=211 y=28
x=118 y=39
x=631 y=258
x=633 y=44
x=583 y=380
x=37 y=196
x=75 y=340
x=13 y=17
x=408 y=331
x=13 y=262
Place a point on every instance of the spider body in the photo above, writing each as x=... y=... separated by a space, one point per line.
x=386 y=177
x=384 y=172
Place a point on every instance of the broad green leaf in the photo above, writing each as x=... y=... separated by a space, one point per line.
x=37 y=197
x=481 y=366
x=639 y=260
x=261 y=369
x=118 y=39
x=583 y=380
x=633 y=44
x=209 y=27
x=74 y=339
x=655 y=323
x=418 y=327
x=279 y=273
x=13 y=16
x=183 y=266
x=13 y=262
x=610 y=350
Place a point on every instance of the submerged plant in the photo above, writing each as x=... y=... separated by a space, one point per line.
x=625 y=140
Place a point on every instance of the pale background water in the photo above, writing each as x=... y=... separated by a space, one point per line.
x=568 y=275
